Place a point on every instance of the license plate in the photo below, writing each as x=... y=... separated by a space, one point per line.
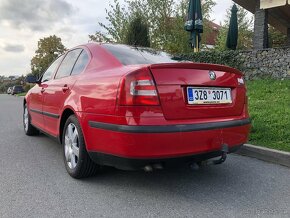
x=196 y=95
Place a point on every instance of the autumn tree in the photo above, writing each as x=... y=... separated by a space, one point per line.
x=48 y=49
x=165 y=19
x=245 y=24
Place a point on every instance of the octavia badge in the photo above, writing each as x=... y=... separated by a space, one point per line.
x=212 y=75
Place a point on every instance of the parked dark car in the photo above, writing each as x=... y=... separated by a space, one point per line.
x=17 y=90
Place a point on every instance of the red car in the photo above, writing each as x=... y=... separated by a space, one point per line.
x=136 y=108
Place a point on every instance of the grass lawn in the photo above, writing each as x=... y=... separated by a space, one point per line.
x=21 y=94
x=269 y=106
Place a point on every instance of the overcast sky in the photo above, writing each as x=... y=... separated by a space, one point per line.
x=24 y=22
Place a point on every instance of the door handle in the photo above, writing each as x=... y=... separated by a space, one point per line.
x=65 y=88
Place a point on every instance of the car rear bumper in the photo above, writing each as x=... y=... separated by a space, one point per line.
x=137 y=164
x=163 y=141
x=169 y=128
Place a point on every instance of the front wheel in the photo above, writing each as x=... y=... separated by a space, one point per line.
x=76 y=158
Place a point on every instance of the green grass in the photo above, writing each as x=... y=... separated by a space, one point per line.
x=269 y=106
x=21 y=94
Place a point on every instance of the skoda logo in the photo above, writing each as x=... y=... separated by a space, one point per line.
x=212 y=75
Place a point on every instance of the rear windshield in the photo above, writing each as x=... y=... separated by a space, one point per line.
x=128 y=55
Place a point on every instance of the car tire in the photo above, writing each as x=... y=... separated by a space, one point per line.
x=28 y=128
x=76 y=158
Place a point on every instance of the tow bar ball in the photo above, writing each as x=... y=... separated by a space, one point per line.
x=225 y=151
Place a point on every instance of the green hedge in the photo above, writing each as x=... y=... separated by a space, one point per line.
x=27 y=87
x=229 y=58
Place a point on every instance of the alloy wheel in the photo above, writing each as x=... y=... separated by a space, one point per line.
x=25 y=119
x=71 y=147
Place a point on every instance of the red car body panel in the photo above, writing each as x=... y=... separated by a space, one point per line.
x=94 y=94
x=34 y=100
x=158 y=145
x=172 y=90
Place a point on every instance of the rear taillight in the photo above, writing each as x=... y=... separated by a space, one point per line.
x=138 y=88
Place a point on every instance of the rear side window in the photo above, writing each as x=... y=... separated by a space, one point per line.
x=81 y=63
x=49 y=72
x=68 y=63
x=128 y=55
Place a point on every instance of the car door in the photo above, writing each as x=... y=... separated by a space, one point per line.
x=36 y=95
x=58 y=90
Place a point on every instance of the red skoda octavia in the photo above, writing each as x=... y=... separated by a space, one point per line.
x=136 y=108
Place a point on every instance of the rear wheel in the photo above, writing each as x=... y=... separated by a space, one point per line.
x=28 y=128
x=76 y=158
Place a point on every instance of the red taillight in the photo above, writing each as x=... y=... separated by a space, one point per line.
x=138 y=88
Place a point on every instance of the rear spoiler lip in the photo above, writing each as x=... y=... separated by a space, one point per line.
x=200 y=66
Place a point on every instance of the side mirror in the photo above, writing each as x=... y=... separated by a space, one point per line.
x=31 y=79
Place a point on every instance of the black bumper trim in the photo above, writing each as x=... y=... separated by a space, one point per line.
x=125 y=163
x=56 y=116
x=169 y=128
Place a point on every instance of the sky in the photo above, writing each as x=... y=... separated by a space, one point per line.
x=24 y=22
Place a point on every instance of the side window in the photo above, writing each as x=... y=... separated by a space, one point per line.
x=67 y=64
x=81 y=63
x=49 y=72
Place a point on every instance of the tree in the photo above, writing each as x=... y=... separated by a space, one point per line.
x=165 y=19
x=49 y=48
x=138 y=33
x=245 y=24
x=276 y=38
x=118 y=19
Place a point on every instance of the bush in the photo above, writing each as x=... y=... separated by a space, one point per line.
x=230 y=58
x=27 y=87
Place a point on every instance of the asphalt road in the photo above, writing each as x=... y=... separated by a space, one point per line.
x=34 y=183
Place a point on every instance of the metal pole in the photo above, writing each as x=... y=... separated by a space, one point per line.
x=196 y=48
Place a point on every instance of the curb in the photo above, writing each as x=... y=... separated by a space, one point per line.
x=265 y=154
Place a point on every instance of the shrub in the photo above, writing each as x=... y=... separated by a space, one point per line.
x=230 y=58
x=27 y=87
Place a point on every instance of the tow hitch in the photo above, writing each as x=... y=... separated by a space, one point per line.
x=224 y=150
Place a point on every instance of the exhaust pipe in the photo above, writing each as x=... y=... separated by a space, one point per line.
x=158 y=166
x=150 y=168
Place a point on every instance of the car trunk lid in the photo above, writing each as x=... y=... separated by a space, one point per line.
x=173 y=80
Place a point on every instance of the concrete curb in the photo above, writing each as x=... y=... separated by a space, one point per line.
x=265 y=154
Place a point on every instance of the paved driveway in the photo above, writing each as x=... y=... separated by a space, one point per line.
x=34 y=183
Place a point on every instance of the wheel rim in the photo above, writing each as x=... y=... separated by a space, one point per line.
x=71 y=146
x=25 y=119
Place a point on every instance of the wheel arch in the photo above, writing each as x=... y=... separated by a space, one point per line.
x=64 y=116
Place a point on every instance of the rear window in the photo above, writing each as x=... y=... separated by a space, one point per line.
x=128 y=55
